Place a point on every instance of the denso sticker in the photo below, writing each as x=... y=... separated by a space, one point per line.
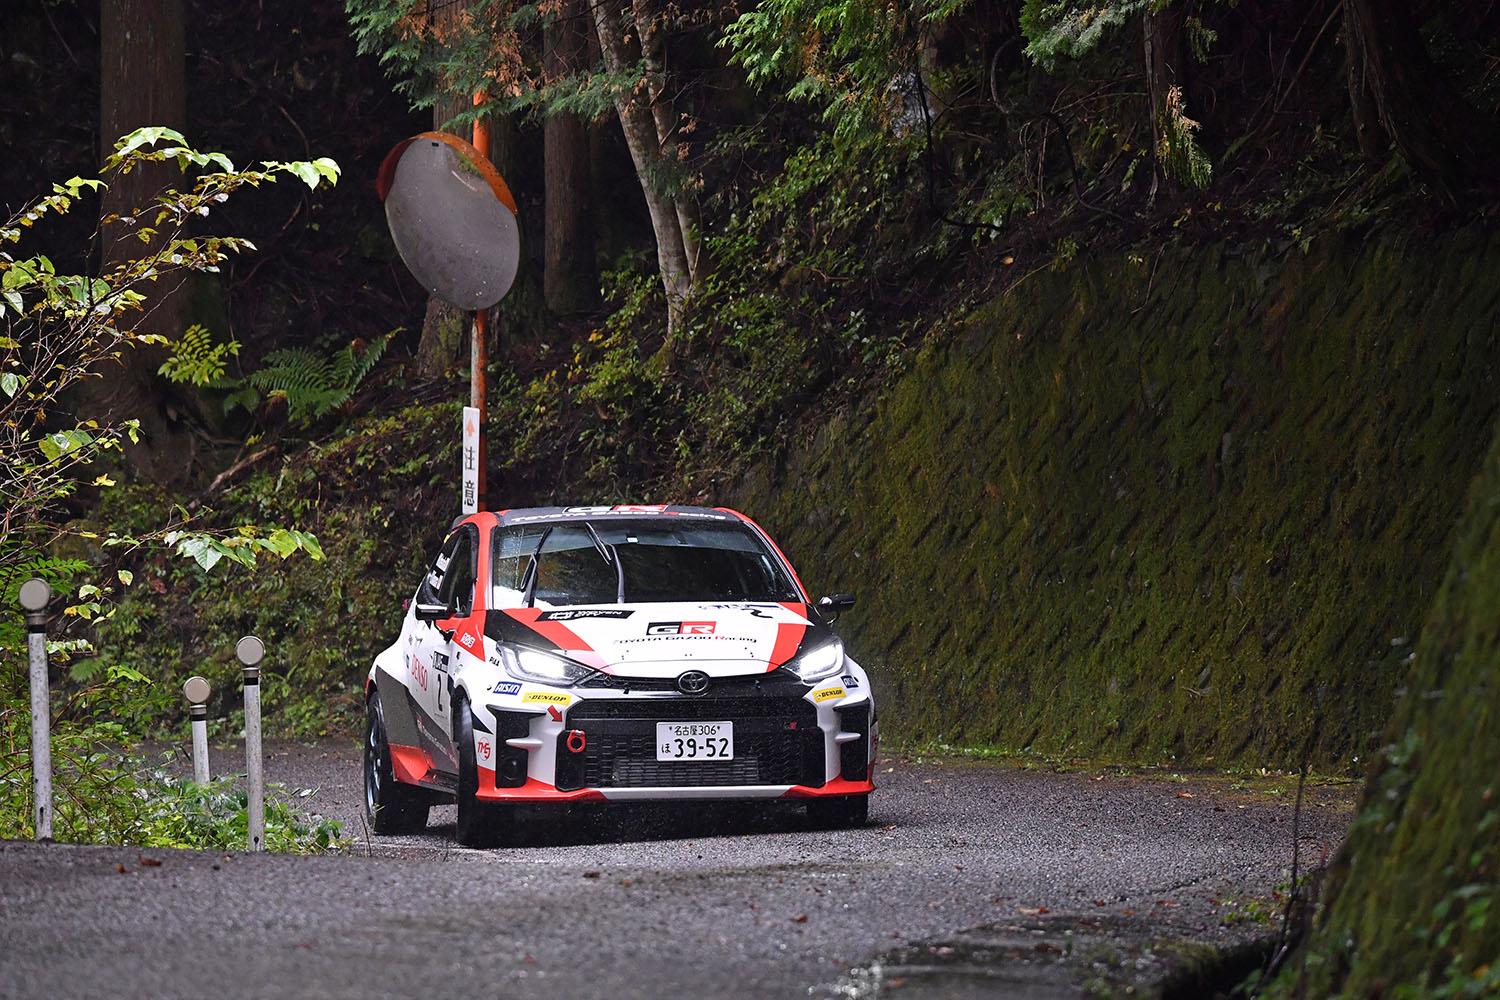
x=681 y=628
x=547 y=697
x=508 y=687
x=568 y=616
x=828 y=694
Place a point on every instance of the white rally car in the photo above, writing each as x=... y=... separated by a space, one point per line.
x=614 y=654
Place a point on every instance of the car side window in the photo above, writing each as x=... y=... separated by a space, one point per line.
x=457 y=589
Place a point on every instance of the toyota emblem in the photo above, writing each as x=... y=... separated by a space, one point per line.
x=693 y=682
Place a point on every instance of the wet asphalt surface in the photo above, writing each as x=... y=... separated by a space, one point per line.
x=970 y=880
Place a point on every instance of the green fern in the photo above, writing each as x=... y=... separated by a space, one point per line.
x=313 y=384
x=196 y=359
x=1177 y=151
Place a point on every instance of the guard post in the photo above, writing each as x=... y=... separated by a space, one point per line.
x=196 y=691
x=35 y=595
x=251 y=651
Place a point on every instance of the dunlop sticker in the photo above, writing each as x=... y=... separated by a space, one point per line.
x=827 y=694
x=547 y=697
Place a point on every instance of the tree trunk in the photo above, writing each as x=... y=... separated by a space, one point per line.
x=1368 y=133
x=668 y=140
x=639 y=127
x=1164 y=63
x=141 y=56
x=570 y=271
x=1444 y=138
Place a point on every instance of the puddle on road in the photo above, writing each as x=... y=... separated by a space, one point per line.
x=1040 y=960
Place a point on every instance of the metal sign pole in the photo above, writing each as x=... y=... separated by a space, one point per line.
x=196 y=690
x=251 y=651
x=479 y=341
x=35 y=594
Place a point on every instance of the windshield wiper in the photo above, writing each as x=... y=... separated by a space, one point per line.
x=531 y=567
x=611 y=557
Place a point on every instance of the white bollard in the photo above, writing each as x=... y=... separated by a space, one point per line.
x=197 y=690
x=35 y=594
x=251 y=651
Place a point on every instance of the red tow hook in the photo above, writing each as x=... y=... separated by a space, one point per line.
x=578 y=741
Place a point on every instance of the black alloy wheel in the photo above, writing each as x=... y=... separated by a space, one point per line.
x=390 y=807
x=480 y=824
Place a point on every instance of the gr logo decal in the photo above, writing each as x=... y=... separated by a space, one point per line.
x=681 y=628
x=467 y=639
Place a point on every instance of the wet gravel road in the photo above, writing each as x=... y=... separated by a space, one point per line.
x=695 y=903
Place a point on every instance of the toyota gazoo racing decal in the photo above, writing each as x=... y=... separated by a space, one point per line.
x=727 y=638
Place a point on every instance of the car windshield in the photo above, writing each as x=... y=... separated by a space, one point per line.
x=610 y=561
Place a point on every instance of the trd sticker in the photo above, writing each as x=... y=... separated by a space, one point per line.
x=567 y=616
x=681 y=628
x=547 y=697
x=850 y=681
x=827 y=694
x=508 y=687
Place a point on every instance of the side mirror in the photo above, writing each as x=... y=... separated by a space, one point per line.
x=430 y=607
x=831 y=606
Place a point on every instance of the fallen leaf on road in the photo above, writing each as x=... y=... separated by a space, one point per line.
x=121 y=869
x=1184 y=795
x=1046 y=948
x=148 y=862
x=1032 y=911
x=800 y=918
x=591 y=874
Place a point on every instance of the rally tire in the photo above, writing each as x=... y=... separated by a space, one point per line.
x=390 y=807
x=839 y=812
x=480 y=824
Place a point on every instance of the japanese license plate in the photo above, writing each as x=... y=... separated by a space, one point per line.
x=695 y=741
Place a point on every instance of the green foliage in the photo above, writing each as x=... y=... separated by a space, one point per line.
x=1070 y=29
x=1414 y=898
x=312 y=383
x=104 y=795
x=196 y=359
x=61 y=328
x=1177 y=151
x=849 y=57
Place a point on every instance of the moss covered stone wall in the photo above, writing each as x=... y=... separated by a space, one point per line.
x=1415 y=896
x=1181 y=506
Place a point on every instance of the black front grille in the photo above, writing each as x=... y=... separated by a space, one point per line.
x=686 y=709
x=776 y=742
x=771 y=682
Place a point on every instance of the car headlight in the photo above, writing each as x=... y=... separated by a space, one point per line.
x=542 y=668
x=816 y=664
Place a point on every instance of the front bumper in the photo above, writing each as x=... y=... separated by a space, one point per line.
x=791 y=741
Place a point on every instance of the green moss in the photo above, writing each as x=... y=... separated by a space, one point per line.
x=1172 y=511
x=1415 y=896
